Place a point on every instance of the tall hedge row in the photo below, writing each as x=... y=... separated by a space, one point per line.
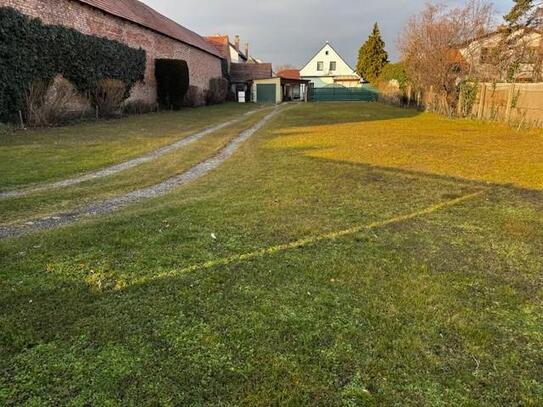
x=31 y=51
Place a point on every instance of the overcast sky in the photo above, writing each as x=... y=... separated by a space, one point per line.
x=291 y=31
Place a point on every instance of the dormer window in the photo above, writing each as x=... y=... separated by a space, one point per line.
x=333 y=65
x=320 y=66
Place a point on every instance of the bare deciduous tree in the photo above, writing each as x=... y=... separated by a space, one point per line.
x=429 y=47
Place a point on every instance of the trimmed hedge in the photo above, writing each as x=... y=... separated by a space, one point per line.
x=172 y=76
x=32 y=51
x=395 y=72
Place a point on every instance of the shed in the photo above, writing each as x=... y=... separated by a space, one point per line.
x=278 y=90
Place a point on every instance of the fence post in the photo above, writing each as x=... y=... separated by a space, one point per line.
x=460 y=106
x=482 y=101
x=509 y=107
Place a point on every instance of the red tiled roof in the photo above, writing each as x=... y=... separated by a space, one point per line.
x=221 y=43
x=289 y=74
x=141 y=14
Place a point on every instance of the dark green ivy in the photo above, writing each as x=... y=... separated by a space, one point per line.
x=32 y=51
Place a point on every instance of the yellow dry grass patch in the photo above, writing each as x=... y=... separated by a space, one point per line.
x=427 y=143
x=315 y=239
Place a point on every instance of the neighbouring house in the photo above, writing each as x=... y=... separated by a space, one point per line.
x=327 y=68
x=242 y=68
x=136 y=25
x=504 y=56
x=229 y=51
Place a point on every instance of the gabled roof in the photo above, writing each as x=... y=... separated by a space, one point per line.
x=327 y=43
x=138 y=13
x=241 y=73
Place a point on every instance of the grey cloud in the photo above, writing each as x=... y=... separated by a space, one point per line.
x=283 y=31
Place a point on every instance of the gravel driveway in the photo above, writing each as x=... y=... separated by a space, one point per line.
x=106 y=172
x=114 y=204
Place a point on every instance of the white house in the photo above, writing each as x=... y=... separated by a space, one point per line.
x=490 y=63
x=327 y=68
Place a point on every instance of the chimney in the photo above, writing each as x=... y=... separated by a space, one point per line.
x=247 y=50
x=236 y=42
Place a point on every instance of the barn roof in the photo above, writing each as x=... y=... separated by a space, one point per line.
x=138 y=13
x=247 y=72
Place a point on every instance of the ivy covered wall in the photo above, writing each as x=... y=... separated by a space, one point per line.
x=31 y=51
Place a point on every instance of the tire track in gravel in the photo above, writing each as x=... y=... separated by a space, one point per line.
x=114 y=169
x=114 y=204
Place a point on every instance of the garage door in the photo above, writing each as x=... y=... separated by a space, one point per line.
x=266 y=93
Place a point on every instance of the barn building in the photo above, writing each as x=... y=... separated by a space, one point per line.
x=136 y=25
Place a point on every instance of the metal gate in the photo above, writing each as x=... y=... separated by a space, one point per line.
x=333 y=94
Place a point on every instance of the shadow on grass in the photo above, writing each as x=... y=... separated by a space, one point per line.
x=533 y=195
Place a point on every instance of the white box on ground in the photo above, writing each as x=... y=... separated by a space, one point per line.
x=241 y=97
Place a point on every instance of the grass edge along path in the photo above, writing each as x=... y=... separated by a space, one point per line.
x=315 y=239
x=126 y=165
x=18 y=210
x=111 y=205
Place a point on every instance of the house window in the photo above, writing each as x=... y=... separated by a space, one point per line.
x=486 y=55
x=327 y=52
x=333 y=65
x=320 y=66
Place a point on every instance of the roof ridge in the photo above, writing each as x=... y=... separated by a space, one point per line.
x=145 y=16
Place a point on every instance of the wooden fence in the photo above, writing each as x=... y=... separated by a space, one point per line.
x=516 y=103
x=519 y=104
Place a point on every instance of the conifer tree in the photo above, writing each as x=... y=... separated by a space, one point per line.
x=525 y=13
x=372 y=56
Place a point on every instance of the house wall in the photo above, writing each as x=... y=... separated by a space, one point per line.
x=89 y=20
x=234 y=55
x=348 y=84
x=472 y=53
x=321 y=82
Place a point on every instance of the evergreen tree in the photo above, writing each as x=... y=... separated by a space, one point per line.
x=372 y=56
x=525 y=13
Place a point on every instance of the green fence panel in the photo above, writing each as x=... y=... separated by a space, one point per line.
x=363 y=94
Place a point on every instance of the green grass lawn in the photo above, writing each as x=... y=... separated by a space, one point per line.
x=442 y=308
x=64 y=199
x=56 y=153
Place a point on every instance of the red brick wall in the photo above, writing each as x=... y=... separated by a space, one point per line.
x=88 y=20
